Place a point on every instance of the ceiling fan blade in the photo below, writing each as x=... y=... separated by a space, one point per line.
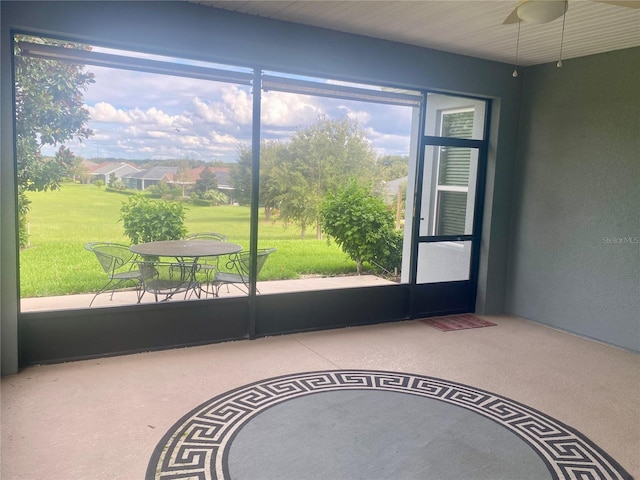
x=622 y=3
x=513 y=16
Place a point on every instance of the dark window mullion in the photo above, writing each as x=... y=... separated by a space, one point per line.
x=446 y=238
x=62 y=54
x=451 y=142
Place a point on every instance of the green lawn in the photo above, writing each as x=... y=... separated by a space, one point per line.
x=63 y=221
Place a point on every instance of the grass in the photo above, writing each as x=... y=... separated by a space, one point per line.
x=63 y=221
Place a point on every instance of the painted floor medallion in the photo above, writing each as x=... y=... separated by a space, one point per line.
x=372 y=424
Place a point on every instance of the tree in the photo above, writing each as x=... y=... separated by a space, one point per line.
x=207 y=181
x=295 y=176
x=183 y=175
x=241 y=176
x=320 y=158
x=76 y=171
x=392 y=167
x=271 y=154
x=49 y=111
x=361 y=225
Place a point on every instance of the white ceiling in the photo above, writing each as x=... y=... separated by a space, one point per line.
x=468 y=27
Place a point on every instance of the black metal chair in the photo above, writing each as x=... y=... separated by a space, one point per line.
x=207 y=266
x=167 y=278
x=238 y=268
x=119 y=263
x=206 y=236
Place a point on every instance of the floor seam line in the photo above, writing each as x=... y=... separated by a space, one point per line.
x=318 y=354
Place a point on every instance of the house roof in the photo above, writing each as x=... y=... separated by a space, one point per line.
x=89 y=165
x=107 y=168
x=168 y=174
x=390 y=188
x=223 y=175
x=153 y=173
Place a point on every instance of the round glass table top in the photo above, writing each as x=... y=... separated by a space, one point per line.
x=186 y=248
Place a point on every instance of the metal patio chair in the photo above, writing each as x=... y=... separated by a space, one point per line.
x=167 y=278
x=237 y=270
x=119 y=263
x=207 y=266
x=206 y=236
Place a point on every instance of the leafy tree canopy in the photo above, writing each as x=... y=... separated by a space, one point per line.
x=49 y=111
x=296 y=175
x=206 y=182
x=392 y=167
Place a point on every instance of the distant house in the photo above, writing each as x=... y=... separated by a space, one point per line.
x=142 y=180
x=105 y=171
x=88 y=165
x=223 y=176
x=392 y=188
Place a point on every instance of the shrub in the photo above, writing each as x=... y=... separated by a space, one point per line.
x=148 y=220
x=216 y=197
x=202 y=203
x=118 y=185
x=163 y=190
x=122 y=192
x=360 y=224
x=389 y=255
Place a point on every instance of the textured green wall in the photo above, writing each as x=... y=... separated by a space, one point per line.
x=575 y=248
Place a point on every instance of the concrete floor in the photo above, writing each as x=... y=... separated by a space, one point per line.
x=101 y=419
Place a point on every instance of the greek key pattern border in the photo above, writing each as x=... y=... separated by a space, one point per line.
x=197 y=446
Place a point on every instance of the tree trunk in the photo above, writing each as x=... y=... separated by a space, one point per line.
x=318 y=230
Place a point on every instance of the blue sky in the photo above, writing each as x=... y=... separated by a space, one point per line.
x=137 y=115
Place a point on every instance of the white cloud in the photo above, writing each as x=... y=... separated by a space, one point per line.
x=224 y=139
x=239 y=103
x=153 y=116
x=388 y=144
x=136 y=115
x=209 y=112
x=286 y=109
x=105 y=112
x=361 y=116
x=157 y=134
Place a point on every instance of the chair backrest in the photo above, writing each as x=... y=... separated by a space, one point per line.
x=112 y=256
x=243 y=260
x=207 y=236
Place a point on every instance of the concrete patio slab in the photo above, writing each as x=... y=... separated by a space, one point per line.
x=128 y=297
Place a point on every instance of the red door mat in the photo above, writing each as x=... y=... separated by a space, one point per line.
x=457 y=322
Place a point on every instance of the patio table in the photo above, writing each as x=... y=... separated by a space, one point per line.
x=186 y=251
x=181 y=249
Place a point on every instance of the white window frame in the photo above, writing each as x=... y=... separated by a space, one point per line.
x=445 y=188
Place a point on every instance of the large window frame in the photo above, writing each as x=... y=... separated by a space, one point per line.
x=266 y=80
x=259 y=316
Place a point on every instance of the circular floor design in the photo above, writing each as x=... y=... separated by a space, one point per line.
x=420 y=421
